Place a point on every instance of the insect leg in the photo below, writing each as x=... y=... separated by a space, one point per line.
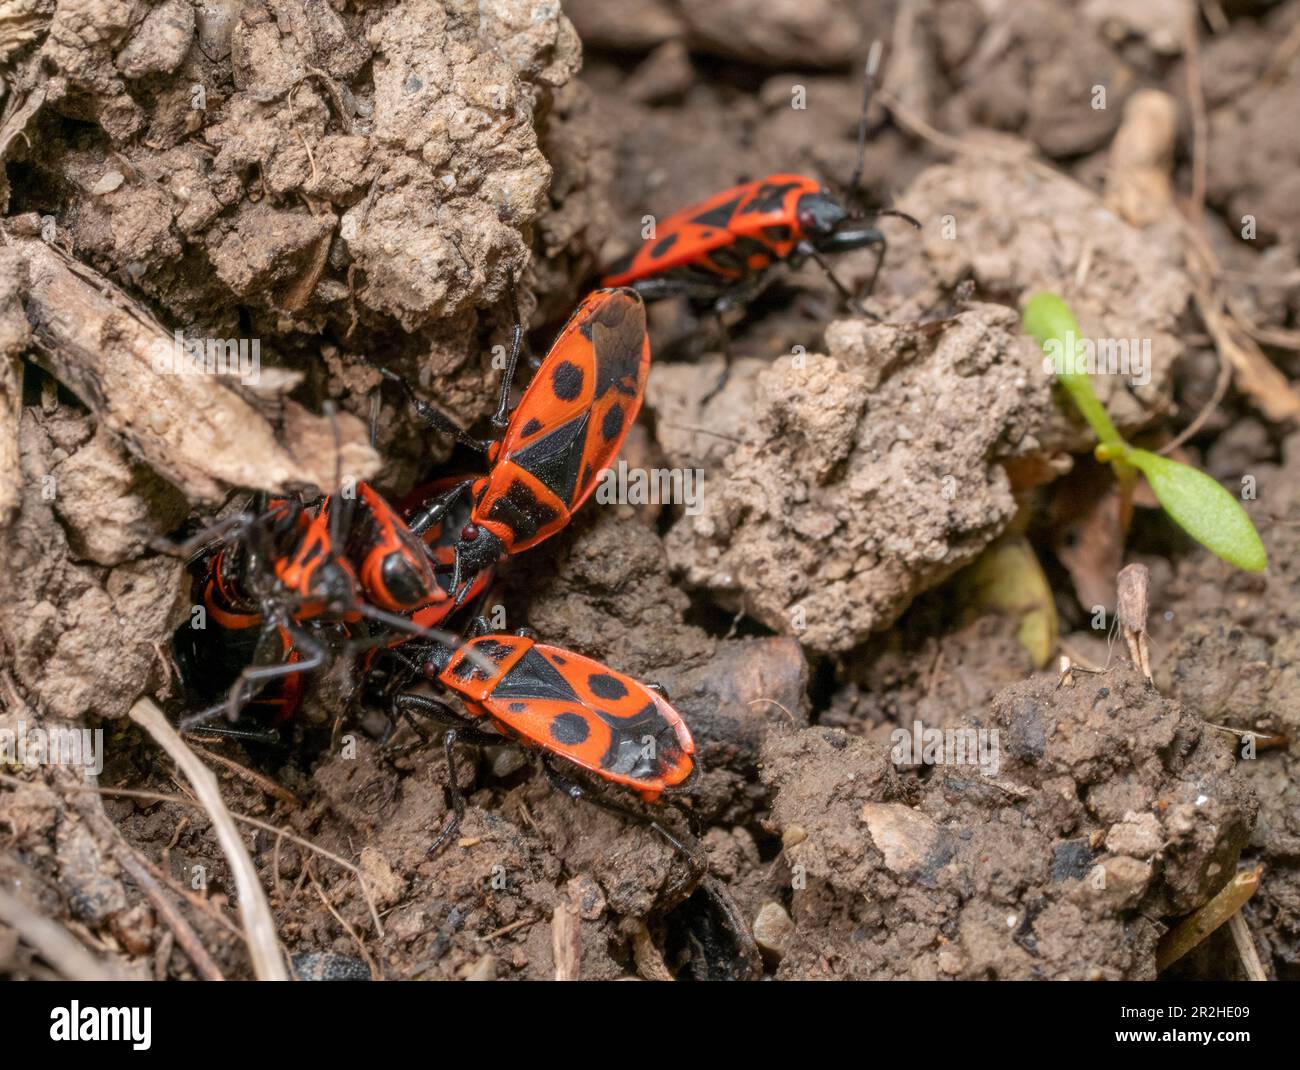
x=255 y=677
x=699 y=870
x=501 y=418
x=457 y=815
x=868 y=85
x=409 y=706
x=406 y=705
x=846 y=295
x=197 y=720
x=214 y=533
x=724 y=332
x=697 y=866
x=433 y=417
x=267 y=736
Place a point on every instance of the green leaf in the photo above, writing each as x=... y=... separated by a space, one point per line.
x=1203 y=509
x=1049 y=319
x=1046 y=316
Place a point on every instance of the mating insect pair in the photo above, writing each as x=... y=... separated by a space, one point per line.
x=289 y=589
x=357 y=558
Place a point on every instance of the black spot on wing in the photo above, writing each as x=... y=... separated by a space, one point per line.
x=663 y=245
x=566 y=380
x=520 y=511
x=612 y=424
x=605 y=686
x=569 y=728
x=555 y=458
x=719 y=216
x=532 y=676
x=530 y=428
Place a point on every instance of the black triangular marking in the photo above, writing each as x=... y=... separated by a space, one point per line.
x=770 y=197
x=554 y=459
x=520 y=511
x=719 y=216
x=532 y=676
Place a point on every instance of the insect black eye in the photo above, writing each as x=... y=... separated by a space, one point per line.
x=402 y=581
x=469 y=532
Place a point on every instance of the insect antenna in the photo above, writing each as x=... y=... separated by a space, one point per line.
x=868 y=86
x=438 y=635
x=336 y=516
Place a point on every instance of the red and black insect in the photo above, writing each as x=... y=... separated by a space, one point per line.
x=567 y=428
x=210 y=660
x=573 y=711
x=291 y=588
x=717 y=253
x=592 y=727
x=241 y=627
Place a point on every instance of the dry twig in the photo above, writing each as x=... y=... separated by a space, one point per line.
x=375 y=975
x=566 y=941
x=1194 y=928
x=1246 y=947
x=259 y=926
x=1131 y=609
x=52 y=941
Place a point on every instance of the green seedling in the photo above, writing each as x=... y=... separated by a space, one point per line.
x=1195 y=502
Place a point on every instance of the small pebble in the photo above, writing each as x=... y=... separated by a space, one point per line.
x=483 y=970
x=328 y=966
x=111 y=181
x=773 y=930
